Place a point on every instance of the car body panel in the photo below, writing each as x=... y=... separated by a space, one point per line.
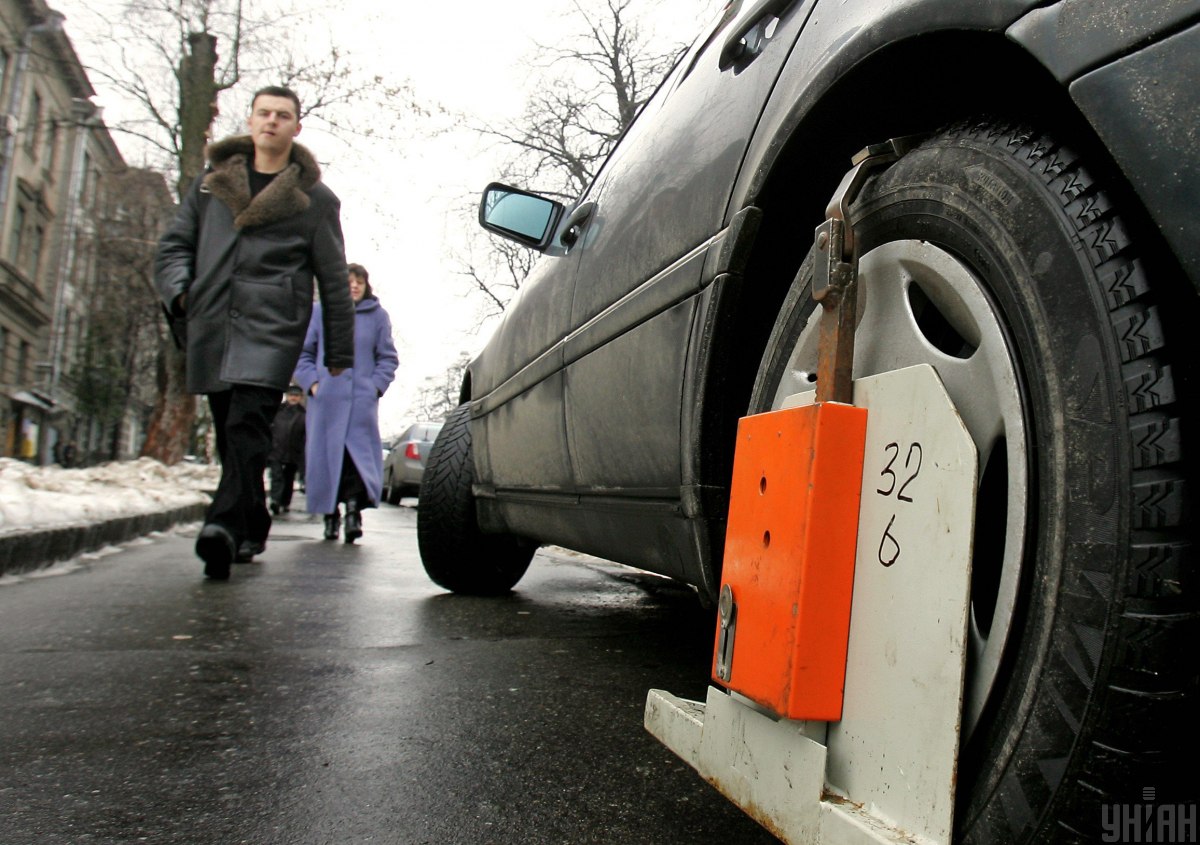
x=523 y=365
x=1152 y=133
x=527 y=440
x=662 y=196
x=1075 y=36
x=668 y=284
x=665 y=187
x=838 y=36
x=532 y=328
x=633 y=385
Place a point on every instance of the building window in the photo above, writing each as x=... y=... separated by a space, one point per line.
x=89 y=186
x=3 y=68
x=33 y=139
x=3 y=353
x=97 y=190
x=72 y=349
x=49 y=157
x=22 y=362
x=36 y=243
x=18 y=232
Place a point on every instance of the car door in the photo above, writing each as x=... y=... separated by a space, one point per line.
x=520 y=440
x=659 y=200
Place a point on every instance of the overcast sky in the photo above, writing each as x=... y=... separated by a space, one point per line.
x=402 y=202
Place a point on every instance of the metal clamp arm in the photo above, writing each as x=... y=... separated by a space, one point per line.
x=835 y=276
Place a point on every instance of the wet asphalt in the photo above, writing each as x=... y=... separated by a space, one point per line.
x=332 y=694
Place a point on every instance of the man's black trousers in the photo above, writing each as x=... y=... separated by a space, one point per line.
x=242 y=418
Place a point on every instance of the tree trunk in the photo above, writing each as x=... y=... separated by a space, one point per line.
x=170 y=427
x=197 y=104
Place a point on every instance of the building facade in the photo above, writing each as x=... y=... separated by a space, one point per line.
x=57 y=160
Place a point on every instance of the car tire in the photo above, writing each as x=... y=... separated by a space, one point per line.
x=996 y=243
x=455 y=553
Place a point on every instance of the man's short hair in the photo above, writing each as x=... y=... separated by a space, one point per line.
x=277 y=91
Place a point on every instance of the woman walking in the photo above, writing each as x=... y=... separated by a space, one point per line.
x=344 y=455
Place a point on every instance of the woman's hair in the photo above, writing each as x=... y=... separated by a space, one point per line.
x=361 y=272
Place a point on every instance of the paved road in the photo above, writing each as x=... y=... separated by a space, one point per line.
x=332 y=694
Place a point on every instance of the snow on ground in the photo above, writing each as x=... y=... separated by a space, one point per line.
x=40 y=497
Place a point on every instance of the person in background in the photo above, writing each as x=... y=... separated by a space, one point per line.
x=287 y=449
x=235 y=272
x=344 y=454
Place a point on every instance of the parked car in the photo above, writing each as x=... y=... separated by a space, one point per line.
x=404 y=463
x=1036 y=240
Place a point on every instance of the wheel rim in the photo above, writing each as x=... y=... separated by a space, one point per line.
x=920 y=304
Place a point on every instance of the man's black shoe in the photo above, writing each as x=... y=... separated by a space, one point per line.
x=216 y=547
x=275 y=508
x=247 y=550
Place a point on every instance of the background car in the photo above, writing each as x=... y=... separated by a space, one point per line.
x=404 y=463
x=1034 y=238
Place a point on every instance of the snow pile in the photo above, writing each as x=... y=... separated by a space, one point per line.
x=37 y=497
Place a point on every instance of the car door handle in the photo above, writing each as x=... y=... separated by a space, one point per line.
x=573 y=226
x=738 y=43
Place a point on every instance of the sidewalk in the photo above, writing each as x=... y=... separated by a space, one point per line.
x=25 y=551
x=51 y=514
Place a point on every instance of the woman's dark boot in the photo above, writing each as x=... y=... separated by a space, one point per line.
x=353 y=521
x=332 y=522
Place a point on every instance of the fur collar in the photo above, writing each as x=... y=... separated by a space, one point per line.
x=229 y=182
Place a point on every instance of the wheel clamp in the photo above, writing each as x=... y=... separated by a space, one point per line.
x=841 y=639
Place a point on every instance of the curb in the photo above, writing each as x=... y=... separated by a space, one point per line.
x=26 y=551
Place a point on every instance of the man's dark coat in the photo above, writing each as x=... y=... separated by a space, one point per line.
x=288 y=435
x=247 y=267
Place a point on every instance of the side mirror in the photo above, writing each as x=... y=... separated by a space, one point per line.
x=518 y=215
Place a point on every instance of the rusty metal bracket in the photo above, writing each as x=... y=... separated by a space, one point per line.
x=835 y=275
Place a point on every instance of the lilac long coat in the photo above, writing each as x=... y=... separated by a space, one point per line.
x=344 y=415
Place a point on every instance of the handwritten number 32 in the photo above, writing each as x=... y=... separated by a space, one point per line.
x=889 y=546
x=915 y=454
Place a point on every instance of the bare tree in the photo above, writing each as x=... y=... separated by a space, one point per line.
x=585 y=93
x=117 y=371
x=439 y=394
x=494 y=270
x=174 y=59
x=589 y=90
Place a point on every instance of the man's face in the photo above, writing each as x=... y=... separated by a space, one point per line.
x=273 y=123
x=293 y=398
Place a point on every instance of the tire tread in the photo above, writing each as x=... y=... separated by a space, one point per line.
x=1140 y=690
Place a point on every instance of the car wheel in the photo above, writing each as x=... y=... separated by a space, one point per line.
x=991 y=253
x=455 y=553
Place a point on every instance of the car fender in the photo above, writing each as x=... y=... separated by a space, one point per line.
x=1141 y=100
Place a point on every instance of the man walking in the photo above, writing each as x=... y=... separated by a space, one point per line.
x=237 y=267
x=288 y=437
